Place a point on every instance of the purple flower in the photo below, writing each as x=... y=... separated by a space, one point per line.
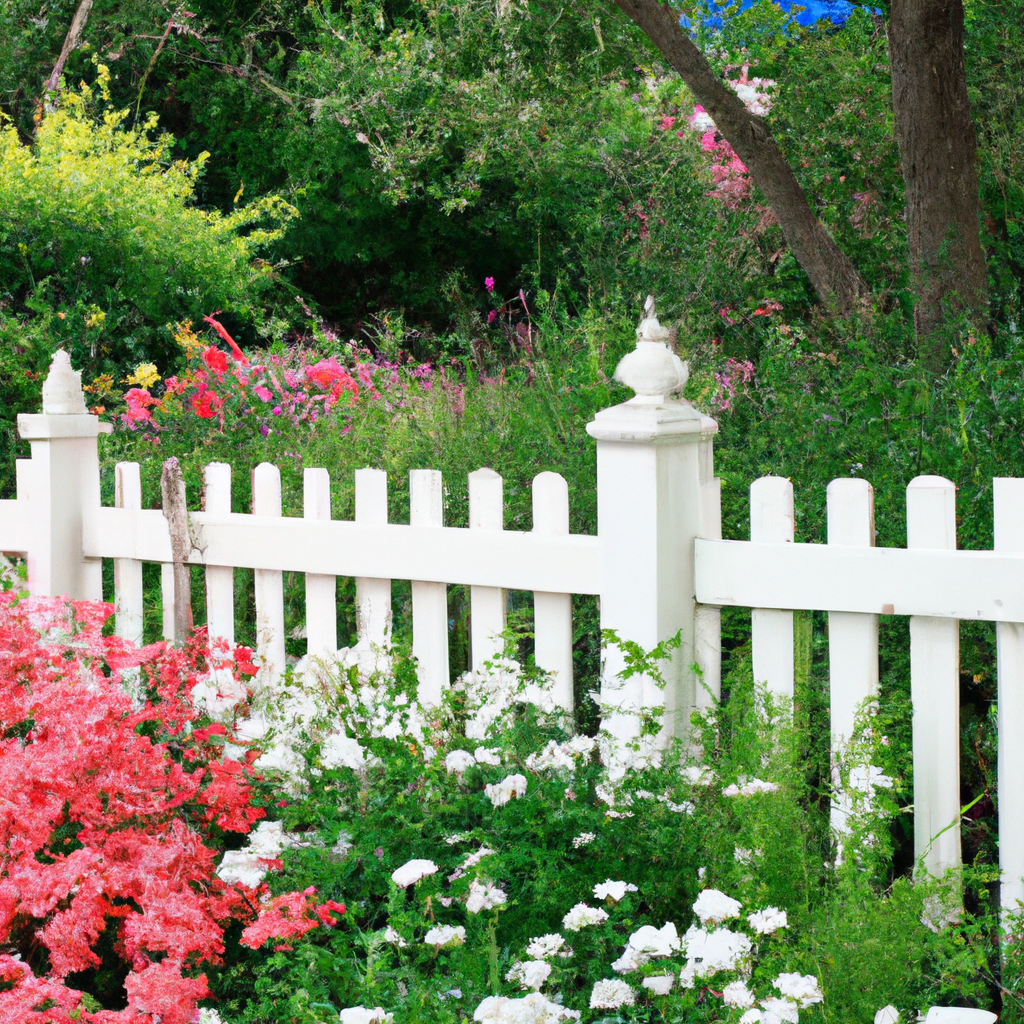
x=264 y=430
x=489 y=283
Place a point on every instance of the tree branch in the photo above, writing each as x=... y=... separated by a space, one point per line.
x=71 y=43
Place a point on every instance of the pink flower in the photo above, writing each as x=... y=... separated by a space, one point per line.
x=666 y=122
x=492 y=316
x=276 y=410
x=489 y=283
x=263 y=394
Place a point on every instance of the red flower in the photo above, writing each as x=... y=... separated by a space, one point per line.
x=205 y=404
x=232 y=344
x=215 y=359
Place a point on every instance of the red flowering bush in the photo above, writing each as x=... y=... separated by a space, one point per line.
x=110 y=810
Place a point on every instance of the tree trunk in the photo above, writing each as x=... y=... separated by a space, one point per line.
x=938 y=147
x=833 y=276
x=71 y=43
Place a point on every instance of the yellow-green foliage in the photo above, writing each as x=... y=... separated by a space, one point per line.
x=98 y=234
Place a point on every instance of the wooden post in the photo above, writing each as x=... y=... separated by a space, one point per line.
x=429 y=600
x=935 y=690
x=771 y=522
x=172 y=491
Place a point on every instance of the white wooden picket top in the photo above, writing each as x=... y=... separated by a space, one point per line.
x=657 y=564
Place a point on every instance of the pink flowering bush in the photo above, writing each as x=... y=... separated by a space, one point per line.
x=112 y=813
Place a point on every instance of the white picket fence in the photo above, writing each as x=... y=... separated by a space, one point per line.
x=657 y=564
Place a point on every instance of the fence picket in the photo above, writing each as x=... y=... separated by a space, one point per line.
x=220 y=579
x=429 y=600
x=128 y=571
x=487 y=604
x=1008 y=499
x=373 y=596
x=771 y=521
x=552 y=613
x=321 y=589
x=266 y=501
x=167 y=600
x=935 y=689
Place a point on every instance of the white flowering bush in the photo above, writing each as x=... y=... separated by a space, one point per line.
x=516 y=872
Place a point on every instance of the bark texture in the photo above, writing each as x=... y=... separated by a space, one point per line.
x=71 y=43
x=938 y=149
x=834 y=278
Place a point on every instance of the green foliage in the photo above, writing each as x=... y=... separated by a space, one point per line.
x=98 y=237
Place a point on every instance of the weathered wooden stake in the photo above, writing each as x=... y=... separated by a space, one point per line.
x=172 y=491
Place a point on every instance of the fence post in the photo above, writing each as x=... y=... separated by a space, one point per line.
x=1008 y=499
x=650 y=508
x=429 y=600
x=771 y=630
x=64 y=486
x=486 y=604
x=373 y=596
x=935 y=689
x=220 y=579
x=321 y=589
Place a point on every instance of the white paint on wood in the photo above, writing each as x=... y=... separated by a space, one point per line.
x=552 y=613
x=935 y=690
x=487 y=604
x=508 y=559
x=771 y=522
x=887 y=581
x=167 y=600
x=220 y=579
x=373 y=594
x=1008 y=499
x=266 y=501
x=852 y=638
x=429 y=600
x=128 y=571
x=321 y=588
x=707 y=622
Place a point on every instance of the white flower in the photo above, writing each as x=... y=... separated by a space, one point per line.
x=801 y=988
x=544 y=946
x=531 y=1009
x=458 y=761
x=456 y=838
x=472 y=859
x=392 y=936
x=750 y=788
x=610 y=994
x=939 y=911
x=700 y=121
x=779 y=1011
x=699 y=775
x=486 y=755
x=646 y=942
x=613 y=890
x=736 y=993
x=361 y=1015
x=248 y=866
x=581 y=915
x=659 y=984
x=217 y=692
x=714 y=906
x=688 y=975
x=339 y=750
x=343 y=845
x=769 y=920
x=445 y=935
x=412 y=871
x=529 y=973
x=751 y=1017
x=887 y=1015
x=720 y=950
x=500 y=793
x=582 y=839
x=686 y=807
x=208 y=1015
x=484 y=897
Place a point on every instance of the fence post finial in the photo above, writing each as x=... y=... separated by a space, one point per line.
x=62 y=389
x=656 y=494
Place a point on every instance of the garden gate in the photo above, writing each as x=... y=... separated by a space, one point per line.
x=657 y=563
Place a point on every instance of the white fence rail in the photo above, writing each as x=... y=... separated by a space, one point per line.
x=657 y=564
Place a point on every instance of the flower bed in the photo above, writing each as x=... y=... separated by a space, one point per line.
x=180 y=846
